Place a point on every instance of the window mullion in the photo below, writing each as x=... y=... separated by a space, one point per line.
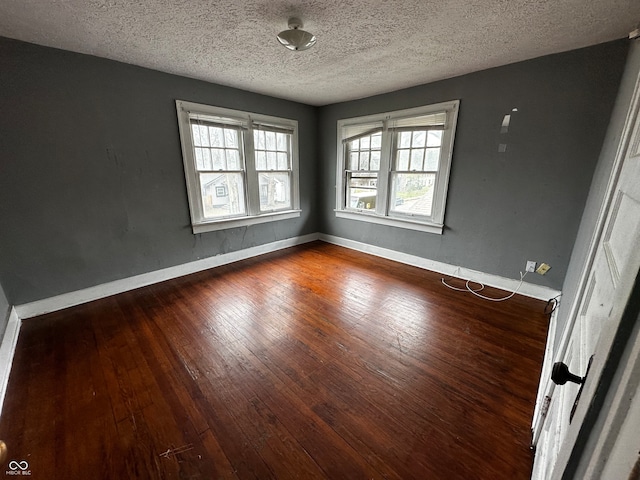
x=382 y=201
x=251 y=175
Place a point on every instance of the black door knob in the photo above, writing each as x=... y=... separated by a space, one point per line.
x=560 y=375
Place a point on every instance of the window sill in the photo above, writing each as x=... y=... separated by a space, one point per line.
x=214 y=225
x=391 y=222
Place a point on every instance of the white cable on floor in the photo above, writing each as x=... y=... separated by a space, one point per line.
x=475 y=292
x=463 y=289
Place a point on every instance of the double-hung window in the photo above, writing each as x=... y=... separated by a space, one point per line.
x=241 y=168
x=393 y=168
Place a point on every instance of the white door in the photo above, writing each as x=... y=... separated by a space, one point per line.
x=609 y=283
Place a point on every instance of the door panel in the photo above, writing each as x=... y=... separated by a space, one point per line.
x=623 y=226
x=592 y=329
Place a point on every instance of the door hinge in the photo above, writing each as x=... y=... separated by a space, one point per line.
x=545 y=406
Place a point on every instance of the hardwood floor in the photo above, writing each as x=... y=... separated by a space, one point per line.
x=311 y=362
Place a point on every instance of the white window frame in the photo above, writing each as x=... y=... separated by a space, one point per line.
x=382 y=213
x=246 y=120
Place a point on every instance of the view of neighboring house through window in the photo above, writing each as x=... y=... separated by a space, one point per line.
x=273 y=164
x=241 y=168
x=220 y=168
x=394 y=167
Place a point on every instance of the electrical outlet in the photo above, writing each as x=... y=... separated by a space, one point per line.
x=531 y=266
x=543 y=268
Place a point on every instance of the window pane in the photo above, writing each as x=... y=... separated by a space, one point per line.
x=261 y=161
x=405 y=139
x=419 y=138
x=355 y=145
x=199 y=159
x=361 y=190
x=282 y=141
x=364 y=160
x=272 y=150
x=206 y=159
x=365 y=143
x=271 y=140
x=271 y=160
x=275 y=191
x=375 y=161
x=196 y=135
x=403 y=160
x=434 y=139
x=258 y=138
x=283 y=161
x=217 y=158
x=230 y=138
x=416 y=159
x=412 y=193
x=233 y=160
x=204 y=135
x=215 y=137
x=433 y=157
x=376 y=141
x=353 y=161
x=222 y=194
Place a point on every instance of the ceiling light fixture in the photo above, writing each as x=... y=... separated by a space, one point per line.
x=295 y=38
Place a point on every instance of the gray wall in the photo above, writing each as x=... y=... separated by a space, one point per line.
x=4 y=312
x=503 y=209
x=93 y=186
x=598 y=187
x=92 y=180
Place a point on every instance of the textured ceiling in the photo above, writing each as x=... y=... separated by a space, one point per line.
x=365 y=47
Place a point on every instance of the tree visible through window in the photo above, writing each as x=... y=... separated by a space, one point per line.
x=395 y=166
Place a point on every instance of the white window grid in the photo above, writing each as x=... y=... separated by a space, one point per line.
x=416 y=145
x=231 y=152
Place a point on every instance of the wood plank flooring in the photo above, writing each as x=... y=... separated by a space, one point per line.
x=315 y=362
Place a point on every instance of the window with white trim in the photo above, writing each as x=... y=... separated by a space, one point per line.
x=393 y=168
x=241 y=168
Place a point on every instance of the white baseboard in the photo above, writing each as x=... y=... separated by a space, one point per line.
x=509 y=284
x=7 y=349
x=59 y=302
